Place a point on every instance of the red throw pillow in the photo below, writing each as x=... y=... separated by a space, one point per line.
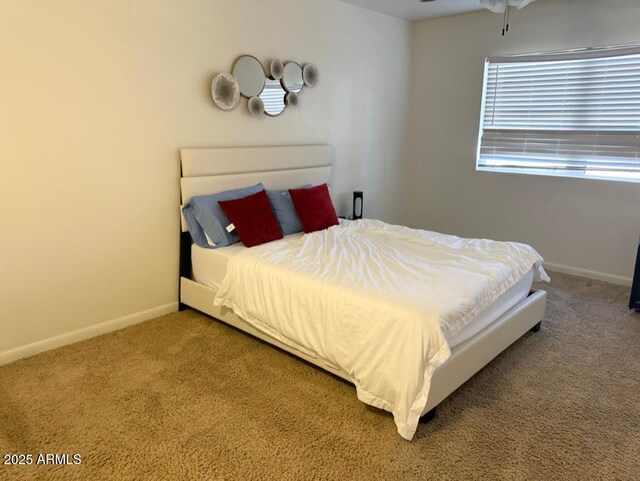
x=314 y=207
x=253 y=218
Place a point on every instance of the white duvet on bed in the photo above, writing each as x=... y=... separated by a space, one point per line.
x=375 y=300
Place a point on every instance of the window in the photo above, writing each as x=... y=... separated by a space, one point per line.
x=573 y=113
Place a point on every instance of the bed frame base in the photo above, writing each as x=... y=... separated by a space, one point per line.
x=466 y=358
x=429 y=416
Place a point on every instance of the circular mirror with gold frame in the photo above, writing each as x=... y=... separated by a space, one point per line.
x=250 y=76
x=292 y=80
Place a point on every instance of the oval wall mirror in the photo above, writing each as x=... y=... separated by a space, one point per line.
x=292 y=78
x=273 y=97
x=249 y=74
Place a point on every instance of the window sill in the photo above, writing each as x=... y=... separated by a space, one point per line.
x=551 y=173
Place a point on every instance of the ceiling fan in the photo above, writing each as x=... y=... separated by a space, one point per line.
x=504 y=7
x=500 y=6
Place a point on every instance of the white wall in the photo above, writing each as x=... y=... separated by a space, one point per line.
x=96 y=99
x=586 y=225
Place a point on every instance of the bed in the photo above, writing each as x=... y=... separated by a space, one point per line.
x=203 y=271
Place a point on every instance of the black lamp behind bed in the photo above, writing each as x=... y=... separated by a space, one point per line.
x=634 y=302
x=357 y=206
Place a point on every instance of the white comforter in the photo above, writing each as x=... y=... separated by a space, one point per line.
x=374 y=300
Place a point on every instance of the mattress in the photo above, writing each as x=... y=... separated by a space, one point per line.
x=210 y=266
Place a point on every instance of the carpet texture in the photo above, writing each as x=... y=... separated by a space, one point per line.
x=183 y=397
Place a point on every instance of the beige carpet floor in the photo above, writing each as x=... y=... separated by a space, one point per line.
x=184 y=397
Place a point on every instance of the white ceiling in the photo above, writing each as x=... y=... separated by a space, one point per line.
x=415 y=10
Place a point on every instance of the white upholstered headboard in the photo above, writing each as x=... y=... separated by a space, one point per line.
x=207 y=171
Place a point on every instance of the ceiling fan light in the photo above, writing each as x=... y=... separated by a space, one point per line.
x=496 y=6
x=519 y=4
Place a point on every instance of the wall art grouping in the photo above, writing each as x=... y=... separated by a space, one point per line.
x=268 y=94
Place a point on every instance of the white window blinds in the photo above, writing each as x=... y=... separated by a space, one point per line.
x=569 y=113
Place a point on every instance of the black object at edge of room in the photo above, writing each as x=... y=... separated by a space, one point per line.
x=357 y=194
x=634 y=301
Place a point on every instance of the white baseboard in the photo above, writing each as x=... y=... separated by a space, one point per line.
x=599 y=276
x=85 y=333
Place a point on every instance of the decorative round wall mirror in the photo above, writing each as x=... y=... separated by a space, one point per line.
x=250 y=76
x=273 y=97
x=292 y=79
